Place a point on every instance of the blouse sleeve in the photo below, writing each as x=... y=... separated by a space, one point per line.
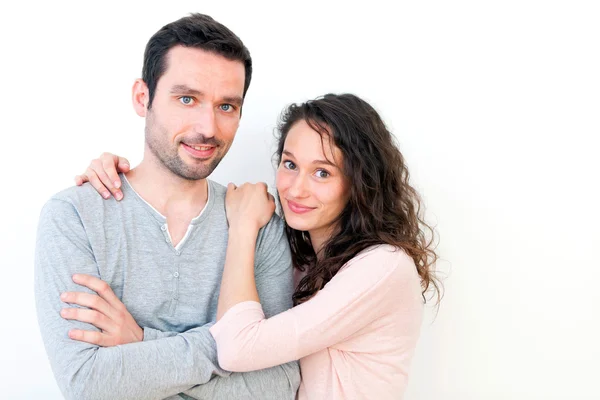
x=363 y=290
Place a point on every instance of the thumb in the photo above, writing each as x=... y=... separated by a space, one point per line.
x=231 y=187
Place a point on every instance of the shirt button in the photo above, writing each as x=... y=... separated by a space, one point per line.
x=176 y=274
x=163 y=228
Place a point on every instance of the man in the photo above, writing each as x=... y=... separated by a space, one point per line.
x=126 y=291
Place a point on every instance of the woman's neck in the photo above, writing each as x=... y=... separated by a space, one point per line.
x=319 y=237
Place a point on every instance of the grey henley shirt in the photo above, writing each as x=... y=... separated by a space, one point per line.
x=171 y=292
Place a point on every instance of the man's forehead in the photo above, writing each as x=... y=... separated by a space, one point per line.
x=197 y=68
x=180 y=56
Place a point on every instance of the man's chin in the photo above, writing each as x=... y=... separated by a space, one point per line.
x=192 y=176
x=195 y=172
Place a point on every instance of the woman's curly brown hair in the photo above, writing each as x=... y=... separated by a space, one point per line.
x=383 y=207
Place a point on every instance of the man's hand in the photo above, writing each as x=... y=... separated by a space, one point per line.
x=105 y=311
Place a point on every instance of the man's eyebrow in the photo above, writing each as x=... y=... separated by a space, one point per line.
x=186 y=90
x=235 y=100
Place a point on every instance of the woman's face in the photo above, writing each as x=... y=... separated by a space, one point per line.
x=312 y=188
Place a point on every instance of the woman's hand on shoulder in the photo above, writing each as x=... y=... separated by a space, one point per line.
x=103 y=175
x=249 y=206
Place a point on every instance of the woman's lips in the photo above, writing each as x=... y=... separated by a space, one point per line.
x=298 y=208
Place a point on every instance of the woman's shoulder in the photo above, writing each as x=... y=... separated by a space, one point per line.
x=381 y=260
x=383 y=254
x=380 y=266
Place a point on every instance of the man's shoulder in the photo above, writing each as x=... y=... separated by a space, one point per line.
x=273 y=233
x=84 y=194
x=217 y=190
x=275 y=224
x=269 y=235
x=83 y=199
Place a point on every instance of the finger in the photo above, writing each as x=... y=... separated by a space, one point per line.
x=104 y=169
x=100 y=287
x=231 y=187
x=88 y=300
x=109 y=164
x=264 y=188
x=80 y=179
x=92 y=337
x=93 y=317
x=124 y=165
x=96 y=183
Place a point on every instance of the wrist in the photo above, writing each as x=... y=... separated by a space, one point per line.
x=242 y=239
x=244 y=229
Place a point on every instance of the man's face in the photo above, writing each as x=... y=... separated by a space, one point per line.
x=195 y=112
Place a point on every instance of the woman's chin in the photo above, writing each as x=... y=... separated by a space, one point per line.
x=296 y=222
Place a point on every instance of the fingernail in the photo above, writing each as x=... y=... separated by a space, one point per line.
x=106 y=195
x=118 y=195
x=63 y=296
x=63 y=313
x=125 y=165
x=73 y=334
x=75 y=278
x=117 y=184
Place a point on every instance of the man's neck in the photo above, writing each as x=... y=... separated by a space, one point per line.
x=170 y=194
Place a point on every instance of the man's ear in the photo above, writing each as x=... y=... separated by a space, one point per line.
x=140 y=96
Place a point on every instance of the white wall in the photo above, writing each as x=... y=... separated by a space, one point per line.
x=496 y=107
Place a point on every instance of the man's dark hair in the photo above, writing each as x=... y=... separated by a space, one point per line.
x=198 y=31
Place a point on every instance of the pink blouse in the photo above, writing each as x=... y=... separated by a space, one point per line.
x=355 y=338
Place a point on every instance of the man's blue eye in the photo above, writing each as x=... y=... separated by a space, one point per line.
x=226 y=107
x=187 y=100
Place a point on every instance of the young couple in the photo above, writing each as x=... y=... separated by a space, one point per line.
x=131 y=291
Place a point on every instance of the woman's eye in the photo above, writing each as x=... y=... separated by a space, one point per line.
x=289 y=165
x=322 y=173
x=186 y=100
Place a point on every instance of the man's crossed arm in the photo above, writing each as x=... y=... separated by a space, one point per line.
x=93 y=351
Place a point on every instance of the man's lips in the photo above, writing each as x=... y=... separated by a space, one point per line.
x=199 y=150
x=298 y=208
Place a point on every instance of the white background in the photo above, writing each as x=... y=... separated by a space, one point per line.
x=495 y=106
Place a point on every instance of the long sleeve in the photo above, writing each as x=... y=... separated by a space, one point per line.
x=275 y=287
x=278 y=383
x=364 y=290
x=152 y=369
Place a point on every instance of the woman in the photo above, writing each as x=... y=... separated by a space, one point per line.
x=362 y=260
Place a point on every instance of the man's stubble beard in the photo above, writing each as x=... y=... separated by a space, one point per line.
x=155 y=136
